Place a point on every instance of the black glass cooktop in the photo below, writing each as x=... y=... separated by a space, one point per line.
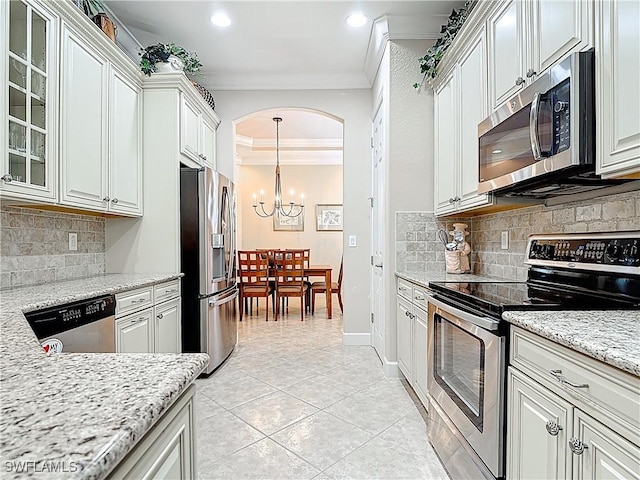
x=497 y=297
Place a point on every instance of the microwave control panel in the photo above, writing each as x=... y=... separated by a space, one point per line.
x=561 y=117
x=603 y=251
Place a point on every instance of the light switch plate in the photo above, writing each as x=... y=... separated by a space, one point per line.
x=73 y=242
x=352 y=240
x=504 y=243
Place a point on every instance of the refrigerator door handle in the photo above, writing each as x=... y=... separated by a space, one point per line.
x=227 y=299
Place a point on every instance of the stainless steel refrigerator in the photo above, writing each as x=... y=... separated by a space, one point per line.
x=209 y=292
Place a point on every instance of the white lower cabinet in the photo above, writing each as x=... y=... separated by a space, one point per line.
x=569 y=416
x=134 y=333
x=166 y=320
x=534 y=453
x=167 y=451
x=148 y=320
x=411 y=331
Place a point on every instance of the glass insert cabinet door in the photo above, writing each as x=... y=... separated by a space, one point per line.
x=30 y=50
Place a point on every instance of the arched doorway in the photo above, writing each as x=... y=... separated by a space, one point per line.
x=311 y=161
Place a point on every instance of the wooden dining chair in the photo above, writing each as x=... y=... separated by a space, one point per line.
x=253 y=270
x=305 y=253
x=289 y=275
x=321 y=287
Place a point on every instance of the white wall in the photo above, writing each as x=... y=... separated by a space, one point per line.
x=354 y=108
x=319 y=183
x=409 y=155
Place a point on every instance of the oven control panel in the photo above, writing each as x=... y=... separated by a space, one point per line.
x=591 y=250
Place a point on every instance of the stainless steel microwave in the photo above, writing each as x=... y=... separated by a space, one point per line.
x=543 y=139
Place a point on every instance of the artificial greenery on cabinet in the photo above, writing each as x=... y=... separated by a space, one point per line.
x=429 y=63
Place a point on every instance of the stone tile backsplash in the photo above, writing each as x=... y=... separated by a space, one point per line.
x=418 y=247
x=34 y=246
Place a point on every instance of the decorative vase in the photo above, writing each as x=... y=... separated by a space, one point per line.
x=172 y=65
x=106 y=25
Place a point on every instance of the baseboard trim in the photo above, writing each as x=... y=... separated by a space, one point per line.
x=356 y=339
x=391 y=369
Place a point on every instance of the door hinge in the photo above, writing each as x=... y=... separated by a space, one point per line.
x=371 y=259
x=372 y=317
x=371 y=142
x=371 y=201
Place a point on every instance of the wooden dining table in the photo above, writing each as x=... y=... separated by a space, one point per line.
x=322 y=271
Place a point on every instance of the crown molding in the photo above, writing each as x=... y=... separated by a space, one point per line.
x=398 y=27
x=284 y=81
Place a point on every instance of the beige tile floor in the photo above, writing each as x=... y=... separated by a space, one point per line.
x=292 y=402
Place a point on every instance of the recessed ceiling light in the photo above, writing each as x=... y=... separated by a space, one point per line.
x=496 y=151
x=220 y=20
x=357 y=20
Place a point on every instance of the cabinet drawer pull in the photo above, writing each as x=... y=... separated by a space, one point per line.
x=419 y=297
x=140 y=319
x=173 y=290
x=140 y=300
x=106 y=199
x=531 y=72
x=114 y=200
x=562 y=379
x=553 y=428
x=576 y=446
x=160 y=316
x=403 y=289
x=519 y=81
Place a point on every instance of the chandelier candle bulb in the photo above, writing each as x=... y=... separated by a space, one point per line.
x=255 y=200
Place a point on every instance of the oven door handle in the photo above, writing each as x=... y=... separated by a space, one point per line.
x=487 y=323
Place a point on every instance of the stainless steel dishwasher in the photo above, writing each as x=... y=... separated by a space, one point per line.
x=84 y=326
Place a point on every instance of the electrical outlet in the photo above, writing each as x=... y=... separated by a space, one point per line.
x=73 y=242
x=504 y=242
x=352 y=240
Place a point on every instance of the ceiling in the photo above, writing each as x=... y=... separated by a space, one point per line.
x=301 y=44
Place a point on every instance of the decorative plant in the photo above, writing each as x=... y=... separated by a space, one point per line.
x=92 y=7
x=161 y=52
x=429 y=63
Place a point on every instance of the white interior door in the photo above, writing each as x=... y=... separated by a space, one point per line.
x=377 y=233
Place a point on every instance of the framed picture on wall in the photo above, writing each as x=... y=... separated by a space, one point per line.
x=288 y=224
x=329 y=217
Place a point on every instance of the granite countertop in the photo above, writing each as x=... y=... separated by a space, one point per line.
x=79 y=412
x=423 y=278
x=610 y=336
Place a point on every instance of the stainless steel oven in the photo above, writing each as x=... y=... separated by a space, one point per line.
x=466 y=386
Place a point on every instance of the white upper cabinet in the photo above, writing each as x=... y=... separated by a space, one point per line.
x=208 y=142
x=125 y=144
x=460 y=105
x=446 y=148
x=84 y=124
x=526 y=38
x=197 y=133
x=617 y=87
x=28 y=106
x=101 y=131
x=507 y=52
x=561 y=26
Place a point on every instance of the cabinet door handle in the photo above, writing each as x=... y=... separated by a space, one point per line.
x=7 y=178
x=519 y=81
x=160 y=316
x=452 y=200
x=531 y=72
x=562 y=379
x=577 y=446
x=406 y=313
x=553 y=428
x=114 y=200
x=140 y=300
x=419 y=297
x=403 y=289
x=106 y=199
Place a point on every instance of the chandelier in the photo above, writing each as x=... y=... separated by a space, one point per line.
x=291 y=209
